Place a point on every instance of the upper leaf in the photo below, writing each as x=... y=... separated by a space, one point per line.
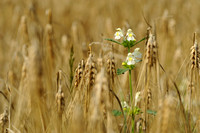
x=116 y=112
x=112 y=40
x=122 y=71
x=152 y=112
x=140 y=40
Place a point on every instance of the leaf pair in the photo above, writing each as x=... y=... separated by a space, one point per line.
x=126 y=43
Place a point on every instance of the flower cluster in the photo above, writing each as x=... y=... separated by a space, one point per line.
x=129 y=110
x=132 y=59
x=128 y=41
x=130 y=36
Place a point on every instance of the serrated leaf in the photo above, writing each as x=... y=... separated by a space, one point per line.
x=108 y=39
x=116 y=112
x=152 y=112
x=121 y=70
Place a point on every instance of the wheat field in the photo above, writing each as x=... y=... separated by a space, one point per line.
x=59 y=73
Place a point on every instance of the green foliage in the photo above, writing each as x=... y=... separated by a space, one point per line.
x=141 y=40
x=126 y=66
x=112 y=40
x=132 y=111
x=116 y=112
x=136 y=111
x=152 y=112
x=126 y=43
x=121 y=70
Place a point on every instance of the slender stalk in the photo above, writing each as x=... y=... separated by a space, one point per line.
x=128 y=50
x=131 y=96
x=130 y=85
x=133 y=126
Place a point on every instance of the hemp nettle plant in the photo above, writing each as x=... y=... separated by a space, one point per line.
x=128 y=41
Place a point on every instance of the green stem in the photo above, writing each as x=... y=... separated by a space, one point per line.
x=130 y=85
x=131 y=95
x=131 y=100
x=133 y=123
x=128 y=50
x=125 y=127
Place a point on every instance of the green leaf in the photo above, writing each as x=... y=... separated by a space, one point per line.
x=122 y=70
x=128 y=44
x=131 y=67
x=113 y=41
x=136 y=111
x=140 y=40
x=152 y=112
x=116 y=112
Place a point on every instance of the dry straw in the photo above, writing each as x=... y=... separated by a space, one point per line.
x=4 y=121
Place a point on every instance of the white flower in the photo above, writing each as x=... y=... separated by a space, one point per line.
x=137 y=98
x=134 y=57
x=124 y=104
x=137 y=55
x=130 y=35
x=118 y=34
x=130 y=59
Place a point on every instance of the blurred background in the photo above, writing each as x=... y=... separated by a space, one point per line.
x=175 y=22
x=74 y=24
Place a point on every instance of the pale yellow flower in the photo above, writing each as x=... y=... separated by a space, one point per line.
x=134 y=57
x=130 y=59
x=130 y=35
x=118 y=34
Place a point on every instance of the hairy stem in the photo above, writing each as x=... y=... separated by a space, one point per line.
x=130 y=86
x=131 y=95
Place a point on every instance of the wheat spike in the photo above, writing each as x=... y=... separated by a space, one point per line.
x=111 y=70
x=4 y=121
x=90 y=71
x=194 y=76
x=151 y=76
x=90 y=74
x=149 y=97
x=194 y=58
x=151 y=51
x=79 y=73
x=194 y=54
x=60 y=99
